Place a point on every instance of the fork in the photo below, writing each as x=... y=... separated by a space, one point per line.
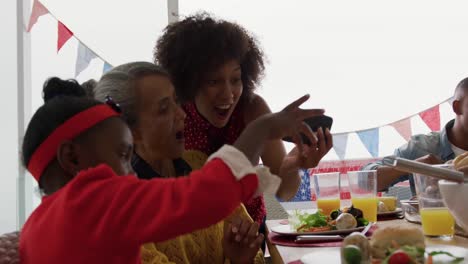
x=316 y=238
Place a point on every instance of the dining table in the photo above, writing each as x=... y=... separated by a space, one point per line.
x=293 y=254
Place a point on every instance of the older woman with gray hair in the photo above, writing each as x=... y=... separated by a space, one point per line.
x=150 y=107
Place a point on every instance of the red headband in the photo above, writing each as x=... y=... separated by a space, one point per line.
x=71 y=128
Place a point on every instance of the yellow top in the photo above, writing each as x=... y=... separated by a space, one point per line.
x=202 y=246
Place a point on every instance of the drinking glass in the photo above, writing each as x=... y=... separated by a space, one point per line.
x=327 y=190
x=435 y=216
x=363 y=188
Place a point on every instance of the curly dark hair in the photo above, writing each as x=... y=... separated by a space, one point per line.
x=199 y=44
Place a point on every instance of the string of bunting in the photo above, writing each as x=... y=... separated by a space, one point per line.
x=84 y=54
x=370 y=138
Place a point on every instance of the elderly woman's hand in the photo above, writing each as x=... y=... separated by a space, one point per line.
x=242 y=241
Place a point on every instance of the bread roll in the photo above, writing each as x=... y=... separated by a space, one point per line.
x=361 y=242
x=382 y=239
x=461 y=160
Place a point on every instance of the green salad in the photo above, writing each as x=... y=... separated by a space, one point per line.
x=305 y=222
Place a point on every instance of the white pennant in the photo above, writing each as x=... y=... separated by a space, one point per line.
x=340 y=141
x=83 y=59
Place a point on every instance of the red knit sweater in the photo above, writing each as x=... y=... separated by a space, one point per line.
x=99 y=217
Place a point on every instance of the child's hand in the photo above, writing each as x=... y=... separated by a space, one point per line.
x=241 y=241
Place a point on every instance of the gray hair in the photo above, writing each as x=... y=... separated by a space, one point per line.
x=88 y=86
x=119 y=83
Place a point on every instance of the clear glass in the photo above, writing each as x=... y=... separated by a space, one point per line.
x=327 y=190
x=435 y=216
x=363 y=188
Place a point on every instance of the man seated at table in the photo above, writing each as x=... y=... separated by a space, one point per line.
x=432 y=148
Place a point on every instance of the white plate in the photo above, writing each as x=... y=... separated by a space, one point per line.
x=442 y=259
x=397 y=211
x=332 y=255
x=288 y=230
x=325 y=255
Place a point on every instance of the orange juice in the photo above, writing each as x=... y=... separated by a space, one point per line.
x=437 y=222
x=368 y=206
x=328 y=205
x=389 y=201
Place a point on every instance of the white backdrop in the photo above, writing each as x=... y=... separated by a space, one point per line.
x=367 y=62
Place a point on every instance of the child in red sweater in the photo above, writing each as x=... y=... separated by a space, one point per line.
x=76 y=148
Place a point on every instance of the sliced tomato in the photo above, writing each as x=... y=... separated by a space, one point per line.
x=399 y=257
x=319 y=229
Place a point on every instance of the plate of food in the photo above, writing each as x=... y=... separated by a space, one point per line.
x=340 y=222
x=389 y=245
x=398 y=245
x=389 y=213
x=388 y=206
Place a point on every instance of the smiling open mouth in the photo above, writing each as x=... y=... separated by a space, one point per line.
x=222 y=110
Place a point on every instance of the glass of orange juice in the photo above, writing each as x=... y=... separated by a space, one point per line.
x=435 y=217
x=327 y=190
x=363 y=188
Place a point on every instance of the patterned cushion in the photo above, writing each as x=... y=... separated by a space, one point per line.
x=9 y=248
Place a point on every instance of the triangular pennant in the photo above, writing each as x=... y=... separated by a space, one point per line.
x=107 y=67
x=404 y=128
x=64 y=34
x=432 y=118
x=340 y=141
x=83 y=59
x=450 y=100
x=38 y=10
x=370 y=139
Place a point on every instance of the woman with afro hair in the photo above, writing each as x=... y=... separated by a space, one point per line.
x=215 y=66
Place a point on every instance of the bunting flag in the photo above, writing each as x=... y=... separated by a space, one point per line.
x=450 y=100
x=85 y=55
x=107 y=67
x=370 y=139
x=340 y=141
x=432 y=118
x=64 y=34
x=38 y=10
x=404 y=128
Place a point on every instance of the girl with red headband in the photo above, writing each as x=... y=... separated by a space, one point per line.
x=76 y=148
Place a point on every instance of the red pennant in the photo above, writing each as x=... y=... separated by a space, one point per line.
x=404 y=128
x=432 y=118
x=64 y=34
x=37 y=10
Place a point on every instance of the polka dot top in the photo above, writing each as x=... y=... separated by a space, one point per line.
x=202 y=136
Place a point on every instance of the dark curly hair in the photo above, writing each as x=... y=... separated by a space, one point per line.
x=62 y=100
x=199 y=44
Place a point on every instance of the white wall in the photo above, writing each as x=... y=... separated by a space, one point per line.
x=8 y=117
